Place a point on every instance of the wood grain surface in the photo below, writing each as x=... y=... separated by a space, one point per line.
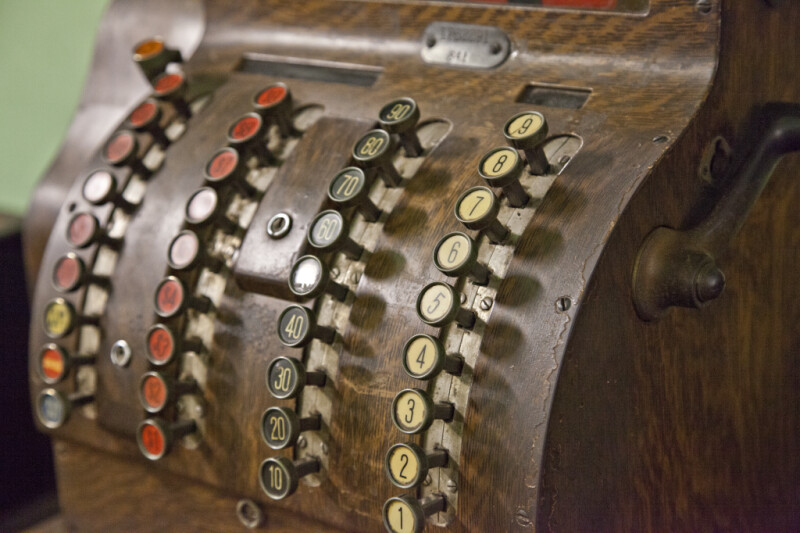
x=579 y=418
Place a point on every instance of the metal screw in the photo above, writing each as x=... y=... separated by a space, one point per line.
x=563 y=304
x=486 y=303
x=564 y=160
x=523 y=519
x=451 y=485
x=430 y=41
x=120 y=353
x=249 y=513
x=495 y=48
x=302 y=442
x=703 y=6
x=279 y=225
x=658 y=139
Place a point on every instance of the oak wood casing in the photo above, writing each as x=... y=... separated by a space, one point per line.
x=578 y=417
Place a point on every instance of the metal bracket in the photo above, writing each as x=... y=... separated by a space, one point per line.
x=465 y=45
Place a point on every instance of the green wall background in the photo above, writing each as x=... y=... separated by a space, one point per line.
x=45 y=52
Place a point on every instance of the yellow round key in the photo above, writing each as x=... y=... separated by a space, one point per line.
x=59 y=318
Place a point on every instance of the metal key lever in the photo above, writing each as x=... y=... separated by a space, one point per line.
x=678 y=268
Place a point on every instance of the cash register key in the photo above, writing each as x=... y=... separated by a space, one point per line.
x=407 y=514
x=157 y=390
x=424 y=358
x=375 y=150
x=401 y=117
x=146 y=118
x=286 y=378
x=171 y=299
x=438 y=304
x=350 y=188
x=477 y=209
x=281 y=427
x=310 y=278
x=413 y=411
x=153 y=56
x=186 y=252
x=502 y=167
x=163 y=346
x=275 y=102
x=171 y=87
x=69 y=273
x=55 y=363
x=155 y=436
x=297 y=326
x=407 y=464
x=53 y=407
x=204 y=208
x=100 y=187
x=122 y=150
x=329 y=232
x=84 y=230
x=279 y=476
x=60 y=318
x=527 y=131
x=247 y=134
x=226 y=168
x=456 y=254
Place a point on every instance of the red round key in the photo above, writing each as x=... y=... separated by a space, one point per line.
x=152 y=440
x=153 y=393
x=68 y=273
x=120 y=148
x=271 y=96
x=143 y=114
x=245 y=128
x=222 y=164
x=53 y=364
x=160 y=345
x=169 y=297
x=82 y=229
x=167 y=84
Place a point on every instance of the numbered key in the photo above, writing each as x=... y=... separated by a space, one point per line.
x=310 y=278
x=155 y=436
x=279 y=476
x=527 y=131
x=275 y=103
x=286 y=378
x=205 y=209
x=375 y=150
x=83 y=230
x=225 y=167
x=477 y=209
x=401 y=117
x=55 y=363
x=122 y=150
x=329 y=232
x=413 y=411
x=157 y=390
x=162 y=346
x=152 y=56
x=438 y=304
x=424 y=358
x=408 y=464
x=456 y=254
x=186 y=252
x=100 y=187
x=53 y=408
x=297 y=326
x=172 y=88
x=407 y=514
x=146 y=118
x=172 y=299
x=502 y=168
x=350 y=188
x=60 y=318
x=281 y=427
x=246 y=134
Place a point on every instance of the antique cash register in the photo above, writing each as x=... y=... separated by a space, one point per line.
x=353 y=265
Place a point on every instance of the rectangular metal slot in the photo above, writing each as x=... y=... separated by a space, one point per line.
x=310 y=69
x=554 y=96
